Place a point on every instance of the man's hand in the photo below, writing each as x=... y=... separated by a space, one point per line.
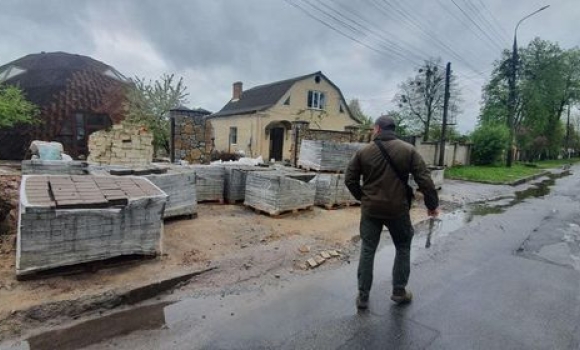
x=433 y=213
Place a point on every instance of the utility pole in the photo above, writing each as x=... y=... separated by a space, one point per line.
x=568 y=132
x=445 y=109
x=512 y=88
x=512 y=102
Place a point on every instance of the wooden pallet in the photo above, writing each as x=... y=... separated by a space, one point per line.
x=210 y=201
x=280 y=213
x=308 y=169
x=340 y=205
x=181 y=217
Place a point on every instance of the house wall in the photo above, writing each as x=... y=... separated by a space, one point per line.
x=252 y=136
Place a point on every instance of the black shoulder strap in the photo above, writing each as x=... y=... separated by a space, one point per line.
x=404 y=179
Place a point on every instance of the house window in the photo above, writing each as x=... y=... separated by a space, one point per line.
x=233 y=135
x=316 y=99
x=287 y=102
x=340 y=108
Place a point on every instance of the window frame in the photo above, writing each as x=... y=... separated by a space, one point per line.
x=316 y=100
x=233 y=135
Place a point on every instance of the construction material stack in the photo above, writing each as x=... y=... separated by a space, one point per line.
x=278 y=192
x=209 y=182
x=68 y=220
x=330 y=160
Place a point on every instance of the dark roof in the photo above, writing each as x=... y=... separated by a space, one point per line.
x=60 y=84
x=45 y=74
x=262 y=97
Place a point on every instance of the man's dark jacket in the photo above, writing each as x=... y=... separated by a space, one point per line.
x=382 y=194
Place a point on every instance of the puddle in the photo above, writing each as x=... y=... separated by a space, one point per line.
x=452 y=221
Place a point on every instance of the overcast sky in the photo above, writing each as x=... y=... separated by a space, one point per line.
x=212 y=43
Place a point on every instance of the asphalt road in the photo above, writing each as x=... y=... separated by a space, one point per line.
x=505 y=280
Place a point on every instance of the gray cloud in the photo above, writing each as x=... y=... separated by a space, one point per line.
x=213 y=43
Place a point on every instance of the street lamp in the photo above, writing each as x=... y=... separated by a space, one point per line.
x=512 y=88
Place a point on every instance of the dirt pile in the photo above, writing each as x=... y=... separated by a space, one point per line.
x=9 y=187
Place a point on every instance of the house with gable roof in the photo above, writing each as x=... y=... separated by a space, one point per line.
x=259 y=121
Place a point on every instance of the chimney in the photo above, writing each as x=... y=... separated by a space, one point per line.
x=237 y=91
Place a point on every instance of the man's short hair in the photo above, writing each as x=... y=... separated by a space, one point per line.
x=386 y=123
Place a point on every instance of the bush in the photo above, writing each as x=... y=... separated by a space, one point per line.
x=489 y=142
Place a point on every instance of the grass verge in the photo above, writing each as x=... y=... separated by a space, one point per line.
x=500 y=174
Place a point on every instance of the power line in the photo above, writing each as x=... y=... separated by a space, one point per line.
x=494 y=19
x=408 y=17
x=477 y=25
x=375 y=33
x=486 y=23
x=393 y=54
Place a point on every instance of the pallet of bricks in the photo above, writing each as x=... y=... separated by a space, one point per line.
x=235 y=181
x=209 y=182
x=69 y=220
x=330 y=160
x=279 y=192
x=326 y=156
x=177 y=182
x=179 y=185
x=331 y=192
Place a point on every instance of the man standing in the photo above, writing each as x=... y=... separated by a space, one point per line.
x=384 y=166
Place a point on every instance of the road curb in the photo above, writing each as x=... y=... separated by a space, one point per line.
x=528 y=178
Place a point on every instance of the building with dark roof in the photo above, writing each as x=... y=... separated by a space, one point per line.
x=76 y=96
x=258 y=121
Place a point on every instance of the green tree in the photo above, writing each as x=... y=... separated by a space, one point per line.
x=548 y=80
x=489 y=141
x=356 y=110
x=14 y=108
x=149 y=103
x=420 y=98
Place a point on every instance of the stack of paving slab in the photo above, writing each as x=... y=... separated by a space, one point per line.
x=68 y=220
x=209 y=182
x=178 y=183
x=331 y=191
x=53 y=167
x=277 y=192
x=235 y=181
x=327 y=155
x=437 y=175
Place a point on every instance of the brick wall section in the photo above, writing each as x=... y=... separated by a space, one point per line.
x=193 y=141
x=124 y=144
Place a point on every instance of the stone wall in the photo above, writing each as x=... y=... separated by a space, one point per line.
x=192 y=141
x=124 y=144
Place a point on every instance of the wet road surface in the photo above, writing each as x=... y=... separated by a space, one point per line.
x=499 y=276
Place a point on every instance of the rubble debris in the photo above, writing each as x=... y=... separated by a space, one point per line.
x=319 y=260
x=312 y=262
